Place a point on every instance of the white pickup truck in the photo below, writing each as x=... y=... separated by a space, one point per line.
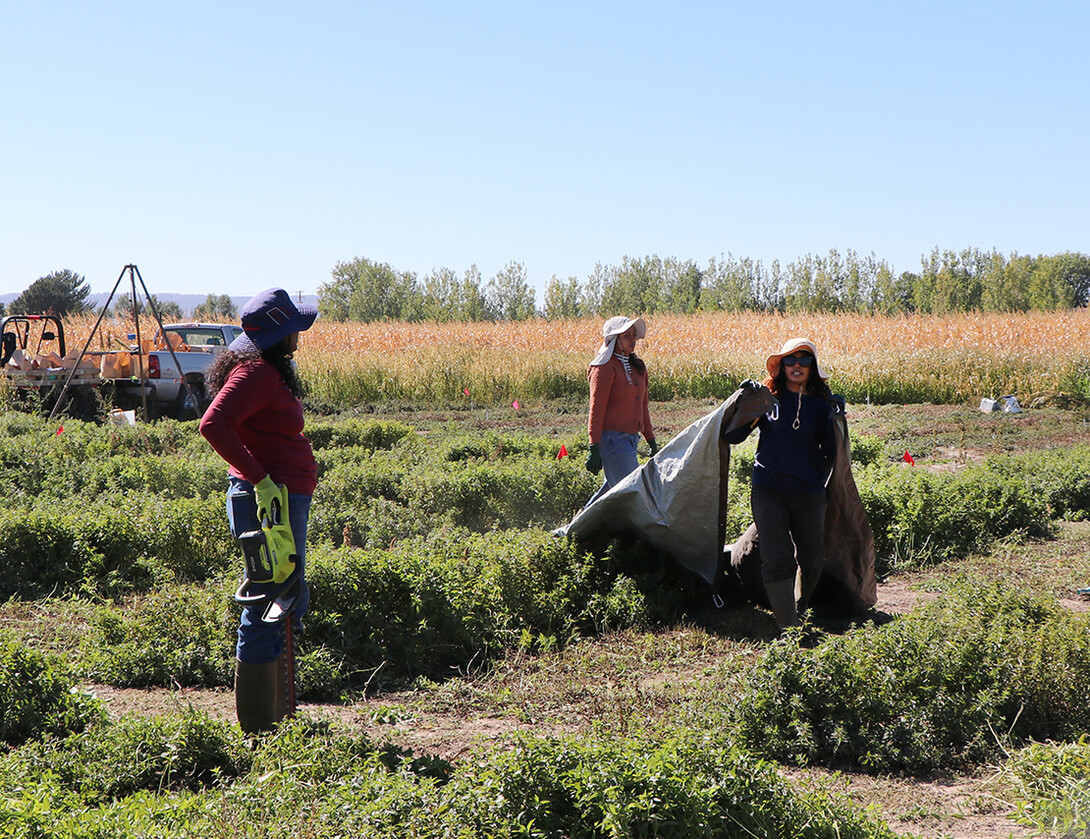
x=155 y=375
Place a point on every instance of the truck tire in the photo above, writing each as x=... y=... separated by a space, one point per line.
x=190 y=407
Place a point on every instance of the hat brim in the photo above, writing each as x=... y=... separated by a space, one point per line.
x=772 y=363
x=624 y=326
x=260 y=340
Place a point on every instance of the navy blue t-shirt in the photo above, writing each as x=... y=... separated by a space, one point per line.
x=793 y=459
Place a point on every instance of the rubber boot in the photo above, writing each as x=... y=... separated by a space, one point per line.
x=255 y=695
x=781 y=596
x=804 y=590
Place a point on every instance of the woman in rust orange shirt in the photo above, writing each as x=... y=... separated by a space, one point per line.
x=619 y=411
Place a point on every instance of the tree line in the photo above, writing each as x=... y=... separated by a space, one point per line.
x=365 y=290
x=64 y=293
x=947 y=282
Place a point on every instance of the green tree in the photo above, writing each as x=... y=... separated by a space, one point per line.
x=682 y=286
x=636 y=286
x=799 y=286
x=590 y=298
x=364 y=290
x=469 y=302
x=509 y=295
x=1005 y=283
x=771 y=298
x=1061 y=281
x=438 y=300
x=59 y=293
x=955 y=280
x=868 y=285
x=731 y=284
x=891 y=295
x=168 y=309
x=562 y=298
x=216 y=308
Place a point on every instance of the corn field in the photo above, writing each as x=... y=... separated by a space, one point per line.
x=908 y=359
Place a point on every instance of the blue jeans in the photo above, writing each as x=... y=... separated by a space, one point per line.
x=618 y=451
x=260 y=642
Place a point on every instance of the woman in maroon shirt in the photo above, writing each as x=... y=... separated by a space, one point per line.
x=255 y=423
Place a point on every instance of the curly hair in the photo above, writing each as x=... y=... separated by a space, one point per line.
x=278 y=355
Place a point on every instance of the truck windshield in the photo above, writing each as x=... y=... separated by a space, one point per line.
x=200 y=337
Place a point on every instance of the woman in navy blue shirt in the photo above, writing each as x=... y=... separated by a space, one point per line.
x=794 y=459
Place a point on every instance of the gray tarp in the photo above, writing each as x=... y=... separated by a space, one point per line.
x=677 y=502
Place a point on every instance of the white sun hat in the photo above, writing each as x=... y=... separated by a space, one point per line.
x=613 y=327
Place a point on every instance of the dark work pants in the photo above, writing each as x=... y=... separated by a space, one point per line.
x=790 y=532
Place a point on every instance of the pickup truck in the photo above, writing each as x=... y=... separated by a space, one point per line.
x=152 y=373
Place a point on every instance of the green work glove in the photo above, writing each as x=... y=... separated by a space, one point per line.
x=654 y=446
x=594 y=459
x=266 y=492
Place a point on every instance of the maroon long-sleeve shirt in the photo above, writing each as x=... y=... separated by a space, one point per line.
x=256 y=424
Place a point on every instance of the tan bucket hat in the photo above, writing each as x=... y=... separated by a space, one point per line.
x=793 y=346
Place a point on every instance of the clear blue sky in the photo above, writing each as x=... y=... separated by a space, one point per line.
x=226 y=147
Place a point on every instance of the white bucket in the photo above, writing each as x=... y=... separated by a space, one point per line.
x=119 y=417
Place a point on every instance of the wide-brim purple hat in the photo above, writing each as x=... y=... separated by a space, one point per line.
x=270 y=317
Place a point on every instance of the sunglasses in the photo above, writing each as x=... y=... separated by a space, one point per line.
x=801 y=360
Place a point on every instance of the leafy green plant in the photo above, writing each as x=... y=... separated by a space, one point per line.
x=368 y=434
x=370 y=499
x=44 y=549
x=697 y=787
x=178 y=751
x=1053 y=780
x=1061 y=477
x=941 y=687
x=919 y=517
x=433 y=603
x=179 y=635
x=36 y=697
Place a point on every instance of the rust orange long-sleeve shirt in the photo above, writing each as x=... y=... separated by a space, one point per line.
x=615 y=404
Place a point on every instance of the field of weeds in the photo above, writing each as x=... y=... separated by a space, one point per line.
x=464 y=673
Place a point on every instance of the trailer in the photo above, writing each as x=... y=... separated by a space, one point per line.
x=36 y=368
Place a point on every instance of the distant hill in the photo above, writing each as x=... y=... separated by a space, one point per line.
x=187 y=302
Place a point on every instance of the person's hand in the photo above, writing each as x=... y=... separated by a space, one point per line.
x=654 y=446
x=749 y=384
x=594 y=459
x=837 y=406
x=266 y=492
